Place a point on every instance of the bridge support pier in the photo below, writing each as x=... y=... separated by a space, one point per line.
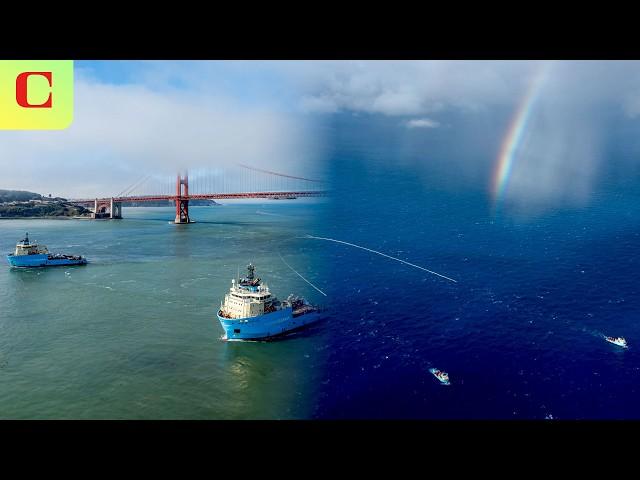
x=116 y=209
x=182 y=200
x=182 y=211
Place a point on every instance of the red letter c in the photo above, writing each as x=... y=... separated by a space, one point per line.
x=21 y=89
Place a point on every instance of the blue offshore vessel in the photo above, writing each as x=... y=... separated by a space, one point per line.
x=33 y=255
x=251 y=312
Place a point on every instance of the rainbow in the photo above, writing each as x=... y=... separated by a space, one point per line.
x=515 y=132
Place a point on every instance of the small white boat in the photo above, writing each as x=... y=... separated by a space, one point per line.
x=443 y=377
x=620 y=341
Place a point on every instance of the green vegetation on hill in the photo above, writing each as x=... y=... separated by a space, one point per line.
x=53 y=209
x=19 y=203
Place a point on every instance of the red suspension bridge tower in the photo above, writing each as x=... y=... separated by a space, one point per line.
x=182 y=199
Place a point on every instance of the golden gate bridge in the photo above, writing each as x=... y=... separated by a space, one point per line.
x=205 y=184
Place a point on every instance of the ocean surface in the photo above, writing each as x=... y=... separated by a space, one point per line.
x=134 y=334
x=521 y=332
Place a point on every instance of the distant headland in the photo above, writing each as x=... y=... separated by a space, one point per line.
x=23 y=204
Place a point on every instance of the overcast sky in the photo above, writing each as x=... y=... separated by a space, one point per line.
x=132 y=118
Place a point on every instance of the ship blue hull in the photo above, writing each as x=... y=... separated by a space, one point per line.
x=265 y=326
x=26 y=261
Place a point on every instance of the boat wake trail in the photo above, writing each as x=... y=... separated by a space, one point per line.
x=292 y=269
x=383 y=254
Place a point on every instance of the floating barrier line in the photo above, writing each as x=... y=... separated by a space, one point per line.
x=292 y=269
x=383 y=254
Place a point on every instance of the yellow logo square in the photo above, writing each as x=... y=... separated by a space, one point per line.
x=36 y=94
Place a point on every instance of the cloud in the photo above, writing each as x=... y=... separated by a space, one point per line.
x=422 y=123
x=567 y=141
x=405 y=87
x=123 y=131
x=397 y=88
x=319 y=104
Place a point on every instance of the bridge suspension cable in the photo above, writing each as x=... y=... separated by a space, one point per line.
x=135 y=185
x=277 y=174
x=243 y=180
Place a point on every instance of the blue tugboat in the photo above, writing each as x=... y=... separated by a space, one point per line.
x=29 y=254
x=251 y=312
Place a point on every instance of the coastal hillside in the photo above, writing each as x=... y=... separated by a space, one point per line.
x=20 y=203
x=18 y=196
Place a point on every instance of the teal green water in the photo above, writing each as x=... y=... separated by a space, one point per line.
x=134 y=335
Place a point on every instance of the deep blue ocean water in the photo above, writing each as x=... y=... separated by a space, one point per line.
x=520 y=334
